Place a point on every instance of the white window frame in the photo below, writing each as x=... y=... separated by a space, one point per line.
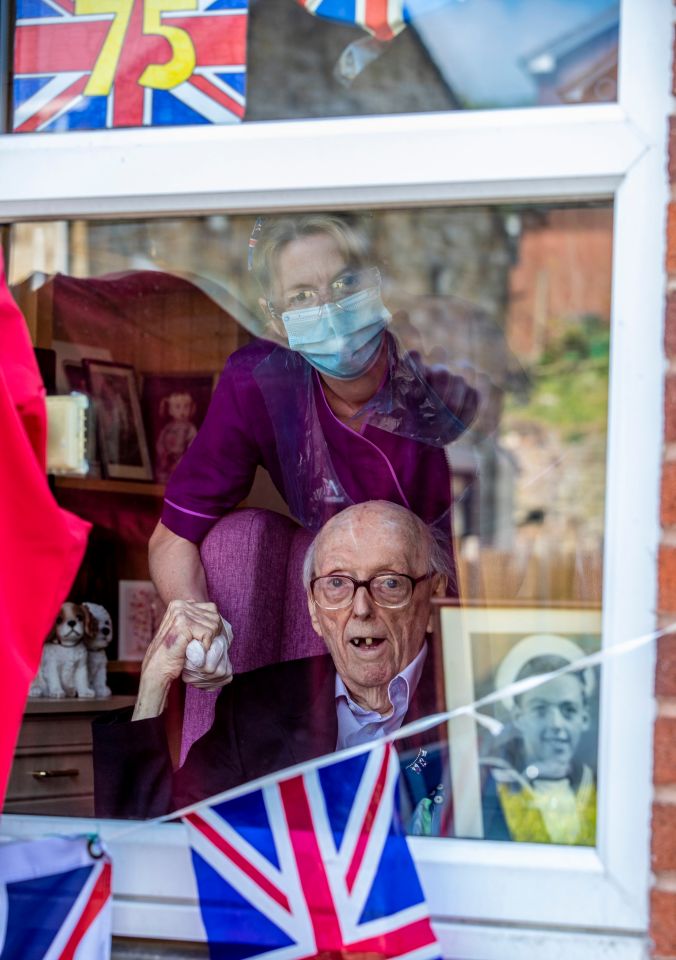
x=489 y=900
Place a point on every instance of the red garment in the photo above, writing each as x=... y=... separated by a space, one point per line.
x=41 y=545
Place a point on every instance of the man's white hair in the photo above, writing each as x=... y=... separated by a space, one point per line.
x=420 y=537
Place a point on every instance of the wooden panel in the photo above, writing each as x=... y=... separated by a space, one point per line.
x=24 y=785
x=150 y=320
x=68 y=731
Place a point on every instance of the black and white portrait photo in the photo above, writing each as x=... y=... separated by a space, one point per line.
x=526 y=762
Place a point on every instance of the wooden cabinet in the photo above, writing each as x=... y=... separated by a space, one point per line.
x=52 y=772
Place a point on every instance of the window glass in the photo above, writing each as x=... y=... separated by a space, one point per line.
x=78 y=65
x=451 y=361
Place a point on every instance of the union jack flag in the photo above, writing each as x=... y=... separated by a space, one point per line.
x=383 y=19
x=55 y=901
x=90 y=64
x=312 y=865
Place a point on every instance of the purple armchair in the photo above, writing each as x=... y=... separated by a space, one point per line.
x=253 y=561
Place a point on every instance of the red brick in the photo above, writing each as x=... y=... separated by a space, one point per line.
x=672 y=149
x=665 y=673
x=663 y=922
x=667 y=579
x=668 y=494
x=670 y=409
x=664 y=751
x=664 y=837
x=670 y=322
x=671 y=238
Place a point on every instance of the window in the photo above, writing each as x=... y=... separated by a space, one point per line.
x=461 y=158
x=501 y=312
x=237 y=61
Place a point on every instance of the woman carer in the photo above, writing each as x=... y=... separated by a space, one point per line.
x=338 y=415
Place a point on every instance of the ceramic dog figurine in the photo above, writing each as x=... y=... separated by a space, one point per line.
x=63 y=668
x=96 y=640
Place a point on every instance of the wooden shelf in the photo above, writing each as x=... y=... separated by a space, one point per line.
x=77 y=705
x=138 y=487
x=124 y=666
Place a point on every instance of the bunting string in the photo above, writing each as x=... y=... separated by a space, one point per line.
x=514 y=689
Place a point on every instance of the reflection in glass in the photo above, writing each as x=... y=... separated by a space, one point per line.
x=449 y=55
x=272 y=60
x=491 y=325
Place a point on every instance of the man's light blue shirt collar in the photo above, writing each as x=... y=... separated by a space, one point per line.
x=357 y=724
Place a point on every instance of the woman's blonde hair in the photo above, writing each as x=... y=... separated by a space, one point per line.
x=277 y=232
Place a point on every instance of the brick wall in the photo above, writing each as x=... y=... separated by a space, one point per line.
x=663 y=898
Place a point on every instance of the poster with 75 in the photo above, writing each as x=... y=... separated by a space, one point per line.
x=90 y=64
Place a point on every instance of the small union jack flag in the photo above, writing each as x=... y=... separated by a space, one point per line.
x=90 y=64
x=55 y=900
x=312 y=865
x=383 y=19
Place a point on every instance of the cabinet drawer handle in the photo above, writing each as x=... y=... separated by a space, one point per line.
x=50 y=774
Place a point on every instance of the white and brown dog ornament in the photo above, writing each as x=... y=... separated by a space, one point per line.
x=96 y=640
x=63 y=667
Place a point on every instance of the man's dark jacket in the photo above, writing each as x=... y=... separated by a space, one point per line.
x=264 y=721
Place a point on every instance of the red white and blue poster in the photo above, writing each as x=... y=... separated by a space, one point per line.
x=95 y=64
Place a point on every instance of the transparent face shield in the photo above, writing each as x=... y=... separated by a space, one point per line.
x=412 y=404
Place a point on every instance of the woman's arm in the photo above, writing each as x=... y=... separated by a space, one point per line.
x=176 y=567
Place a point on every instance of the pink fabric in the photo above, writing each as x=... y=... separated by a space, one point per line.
x=253 y=560
x=41 y=545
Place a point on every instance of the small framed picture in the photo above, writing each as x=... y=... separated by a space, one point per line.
x=523 y=767
x=140 y=611
x=70 y=373
x=122 y=440
x=174 y=406
x=76 y=376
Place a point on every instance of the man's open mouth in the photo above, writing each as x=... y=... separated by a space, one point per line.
x=367 y=641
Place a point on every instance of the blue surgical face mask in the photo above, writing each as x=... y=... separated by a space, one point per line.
x=340 y=339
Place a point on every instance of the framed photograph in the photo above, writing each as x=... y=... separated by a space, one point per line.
x=524 y=767
x=174 y=406
x=76 y=376
x=70 y=372
x=122 y=441
x=140 y=611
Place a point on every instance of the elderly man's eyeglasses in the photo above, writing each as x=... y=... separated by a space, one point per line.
x=349 y=282
x=391 y=590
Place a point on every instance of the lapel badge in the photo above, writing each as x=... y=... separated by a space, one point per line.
x=417 y=765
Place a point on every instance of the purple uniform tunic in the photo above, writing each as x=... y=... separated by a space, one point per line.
x=269 y=410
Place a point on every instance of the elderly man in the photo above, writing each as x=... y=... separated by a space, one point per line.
x=370 y=574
